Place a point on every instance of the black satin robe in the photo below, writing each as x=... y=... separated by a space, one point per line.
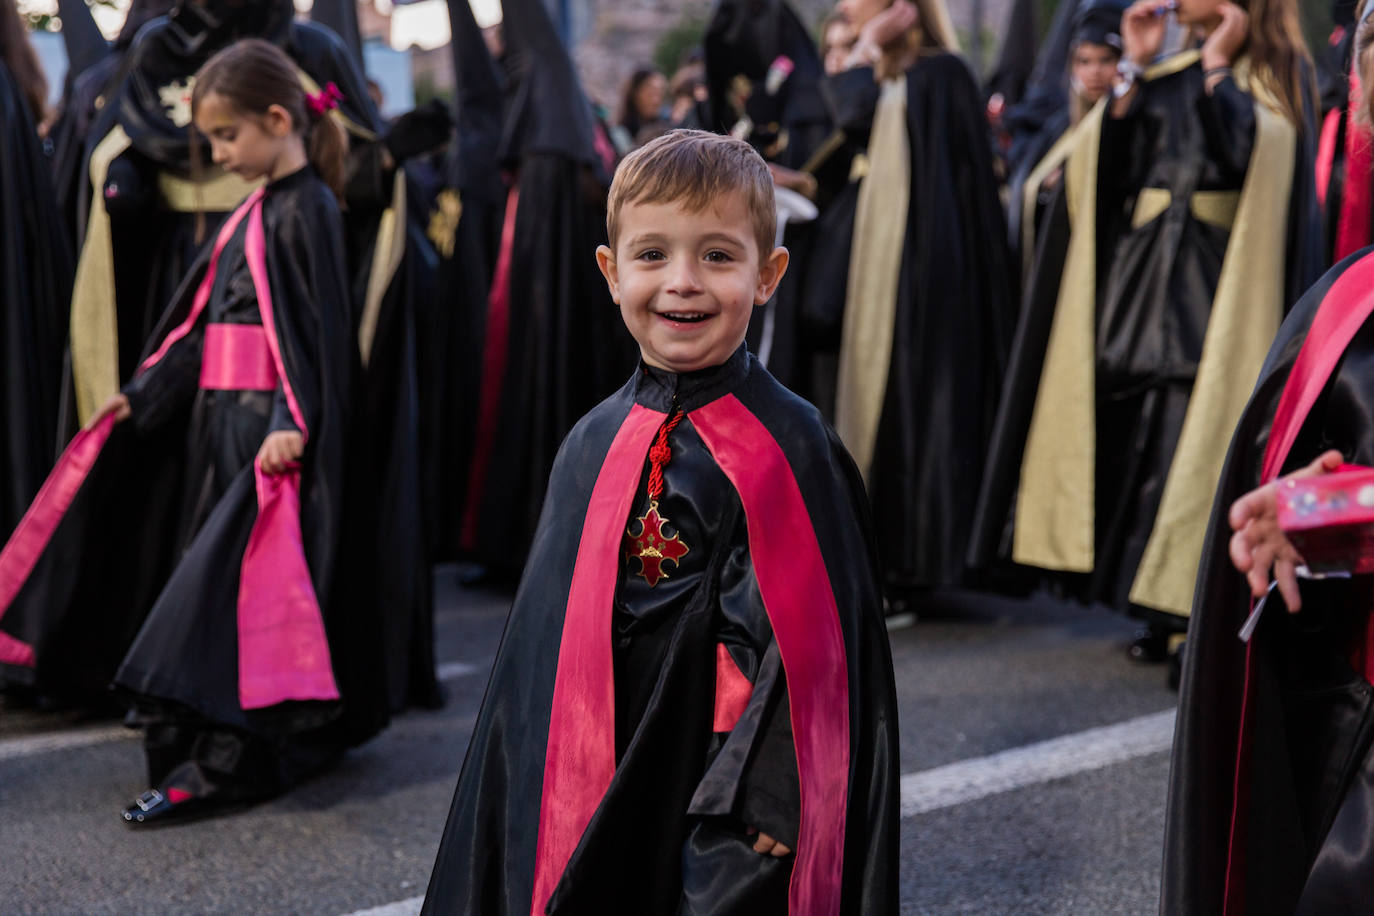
x=668 y=836
x=1156 y=283
x=954 y=319
x=35 y=287
x=1309 y=844
x=139 y=581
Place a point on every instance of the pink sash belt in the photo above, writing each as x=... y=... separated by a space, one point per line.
x=237 y=357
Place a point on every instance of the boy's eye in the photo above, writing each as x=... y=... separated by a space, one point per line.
x=651 y=254
x=718 y=257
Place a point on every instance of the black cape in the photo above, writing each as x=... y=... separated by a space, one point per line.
x=35 y=286
x=1305 y=777
x=955 y=314
x=177 y=480
x=744 y=445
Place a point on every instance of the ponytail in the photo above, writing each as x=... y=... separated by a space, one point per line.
x=327 y=146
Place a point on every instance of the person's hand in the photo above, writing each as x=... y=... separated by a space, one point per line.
x=1259 y=544
x=1222 y=46
x=280 y=449
x=1143 y=27
x=890 y=26
x=765 y=844
x=118 y=404
x=802 y=182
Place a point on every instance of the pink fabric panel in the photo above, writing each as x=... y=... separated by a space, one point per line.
x=202 y=296
x=801 y=607
x=237 y=358
x=35 y=529
x=579 y=760
x=733 y=691
x=283 y=651
x=255 y=249
x=1326 y=152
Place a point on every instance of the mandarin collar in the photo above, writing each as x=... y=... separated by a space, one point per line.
x=662 y=390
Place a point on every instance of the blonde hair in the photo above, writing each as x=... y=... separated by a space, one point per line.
x=1278 y=55
x=695 y=169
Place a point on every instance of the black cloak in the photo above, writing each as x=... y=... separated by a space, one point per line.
x=87 y=587
x=954 y=316
x=1271 y=782
x=553 y=343
x=751 y=687
x=35 y=286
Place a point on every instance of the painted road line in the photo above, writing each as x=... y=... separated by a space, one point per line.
x=27 y=746
x=970 y=780
x=980 y=777
x=409 y=907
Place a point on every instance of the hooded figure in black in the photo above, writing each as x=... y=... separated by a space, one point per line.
x=465 y=228
x=552 y=346
x=918 y=261
x=35 y=280
x=154 y=199
x=1272 y=782
x=1186 y=230
x=1344 y=159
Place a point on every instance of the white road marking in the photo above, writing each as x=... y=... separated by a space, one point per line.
x=12 y=748
x=970 y=780
x=980 y=777
x=409 y=907
x=28 y=745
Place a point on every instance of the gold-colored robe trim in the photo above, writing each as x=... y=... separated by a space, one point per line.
x=1215 y=208
x=220 y=194
x=1246 y=313
x=1150 y=204
x=94 y=335
x=387 y=254
x=875 y=266
x=1030 y=192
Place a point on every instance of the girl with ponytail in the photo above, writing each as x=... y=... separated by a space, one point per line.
x=227 y=446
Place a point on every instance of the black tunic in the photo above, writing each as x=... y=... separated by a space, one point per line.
x=1306 y=778
x=695 y=790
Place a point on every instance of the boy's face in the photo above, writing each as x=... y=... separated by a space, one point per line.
x=687 y=281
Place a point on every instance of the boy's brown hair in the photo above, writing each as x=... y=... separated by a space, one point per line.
x=695 y=169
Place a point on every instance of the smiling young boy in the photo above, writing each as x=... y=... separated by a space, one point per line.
x=692 y=710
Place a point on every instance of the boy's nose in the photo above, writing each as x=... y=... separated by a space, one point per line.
x=683 y=279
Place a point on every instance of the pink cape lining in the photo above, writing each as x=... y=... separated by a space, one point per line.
x=579 y=761
x=1343 y=311
x=283 y=651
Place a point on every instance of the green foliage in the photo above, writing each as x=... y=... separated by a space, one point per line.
x=682 y=37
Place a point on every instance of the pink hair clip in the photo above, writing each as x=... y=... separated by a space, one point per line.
x=326 y=100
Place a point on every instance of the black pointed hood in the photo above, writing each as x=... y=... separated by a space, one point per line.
x=549 y=113
x=1016 y=58
x=341 y=17
x=85 y=45
x=478 y=105
x=140 y=13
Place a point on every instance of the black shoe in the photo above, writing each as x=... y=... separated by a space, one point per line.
x=154 y=808
x=1149 y=647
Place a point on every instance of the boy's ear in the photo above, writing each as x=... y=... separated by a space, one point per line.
x=605 y=259
x=770 y=274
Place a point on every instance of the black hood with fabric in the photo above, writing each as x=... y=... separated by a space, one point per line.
x=85 y=45
x=743 y=39
x=473 y=163
x=341 y=18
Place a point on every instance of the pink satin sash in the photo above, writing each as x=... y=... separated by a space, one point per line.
x=733 y=691
x=237 y=357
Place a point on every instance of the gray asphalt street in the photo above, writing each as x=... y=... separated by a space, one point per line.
x=1020 y=796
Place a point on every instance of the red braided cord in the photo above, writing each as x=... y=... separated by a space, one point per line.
x=659 y=455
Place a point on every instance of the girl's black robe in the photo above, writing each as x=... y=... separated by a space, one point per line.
x=99 y=594
x=1302 y=763
x=637 y=802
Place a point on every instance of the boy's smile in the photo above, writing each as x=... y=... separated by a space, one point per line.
x=687 y=281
